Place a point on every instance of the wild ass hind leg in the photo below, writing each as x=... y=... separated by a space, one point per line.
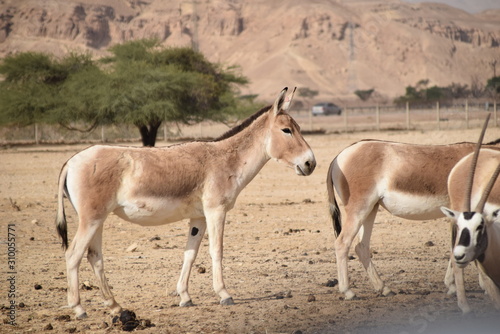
x=363 y=251
x=95 y=258
x=74 y=255
x=197 y=229
x=343 y=243
x=215 y=224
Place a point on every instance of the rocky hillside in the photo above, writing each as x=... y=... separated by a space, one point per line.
x=332 y=46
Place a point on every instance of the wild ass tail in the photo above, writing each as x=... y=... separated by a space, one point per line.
x=333 y=205
x=61 y=224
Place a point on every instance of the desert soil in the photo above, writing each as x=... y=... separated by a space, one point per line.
x=278 y=257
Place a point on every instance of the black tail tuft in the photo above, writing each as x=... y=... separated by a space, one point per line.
x=62 y=230
x=334 y=207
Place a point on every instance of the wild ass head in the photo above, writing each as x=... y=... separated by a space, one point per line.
x=285 y=143
x=470 y=228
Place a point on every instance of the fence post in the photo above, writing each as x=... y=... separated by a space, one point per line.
x=103 y=138
x=310 y=121
x=36 y=134
x=466 y=114
x=495 y=112
x=407 y=115
x=438 y=115
x=377 y=116
x=345 y=119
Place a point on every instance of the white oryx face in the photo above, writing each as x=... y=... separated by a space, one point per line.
x=469 y=236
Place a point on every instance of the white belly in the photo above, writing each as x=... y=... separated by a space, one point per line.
x=414 y=207
x=152 y=211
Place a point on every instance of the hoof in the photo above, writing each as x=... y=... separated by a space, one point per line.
x=349 y=295
x=386 y=292
x=186 y=304
x=82 y=316
x=227 y=301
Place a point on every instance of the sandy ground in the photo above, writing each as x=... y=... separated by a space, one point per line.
x=278 y=257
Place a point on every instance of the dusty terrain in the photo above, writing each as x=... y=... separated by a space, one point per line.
x=278 y=253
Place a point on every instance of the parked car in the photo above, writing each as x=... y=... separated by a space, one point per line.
x=326 y=108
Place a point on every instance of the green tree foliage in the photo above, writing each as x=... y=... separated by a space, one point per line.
x=493 y=85
x=364 y=95
x=141 y=83
x=152 y=84
x=421 y=94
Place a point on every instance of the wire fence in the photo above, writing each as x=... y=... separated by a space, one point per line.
x=352 y=119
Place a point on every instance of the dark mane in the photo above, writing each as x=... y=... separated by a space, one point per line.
x=243 y=125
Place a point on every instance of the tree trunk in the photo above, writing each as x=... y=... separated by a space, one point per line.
x=148 y=133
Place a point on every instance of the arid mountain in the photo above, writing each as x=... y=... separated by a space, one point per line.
x=332 y=46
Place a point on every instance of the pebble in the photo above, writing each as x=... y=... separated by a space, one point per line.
x=133 y=247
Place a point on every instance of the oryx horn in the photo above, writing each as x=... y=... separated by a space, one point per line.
x=487 y=190
x=468 y=190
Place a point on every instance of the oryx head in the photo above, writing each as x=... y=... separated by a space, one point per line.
x=470 y=228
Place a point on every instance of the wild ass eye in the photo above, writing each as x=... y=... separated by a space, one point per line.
x=288 y=131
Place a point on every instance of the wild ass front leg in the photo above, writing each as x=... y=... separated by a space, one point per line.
x=215 y=225
x=449 y=277
x=94 y=255
x=197 y=229
x=459 y=282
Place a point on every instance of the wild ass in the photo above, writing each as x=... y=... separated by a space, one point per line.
x=476 y=234
x=409 y=181
x=155 y=186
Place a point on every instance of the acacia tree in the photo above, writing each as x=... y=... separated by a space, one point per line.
x=140 y=83
x=150 y=85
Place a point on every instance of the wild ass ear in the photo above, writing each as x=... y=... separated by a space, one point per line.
x=280 y=101
x=450 y=213
x=288 y=100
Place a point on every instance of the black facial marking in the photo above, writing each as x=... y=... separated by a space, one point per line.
x=481 y=258
x=454 y=229
x=468 y=215
x=194 y=231
x=464 y=238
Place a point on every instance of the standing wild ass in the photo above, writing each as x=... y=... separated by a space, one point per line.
x=476 y=234
x=154 y=186
x=409 y=181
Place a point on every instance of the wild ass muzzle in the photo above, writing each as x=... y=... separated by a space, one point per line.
x=476 y=234
x=199 y=181
x=409 y=181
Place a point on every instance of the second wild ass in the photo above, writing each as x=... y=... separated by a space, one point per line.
x=198 y=180
x=409 y=181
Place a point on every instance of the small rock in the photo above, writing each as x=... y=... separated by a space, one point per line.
x=34 y=222
x=331 y=283
x=38 y=287
x=48 y=327
x=311 y=298
x=133 y=247
x=202 y=270
x=71 y=330
x=86 y=286
x=429 y=244
x=21 y=305
x=103 y=325
x=64 y=317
